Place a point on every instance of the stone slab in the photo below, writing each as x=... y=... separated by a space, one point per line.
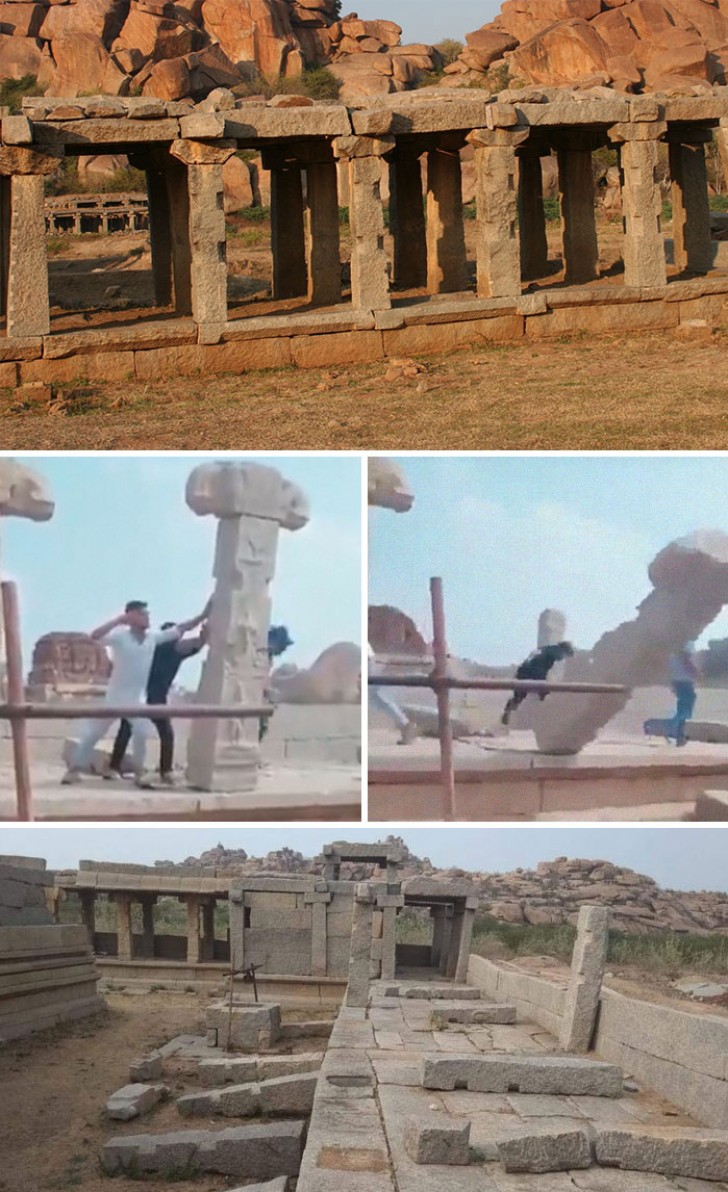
x=438 y=1138
x=702 y=1154
x=542 y=1151
x=256 y=1152
x=134 y=1100
x=523 y=1074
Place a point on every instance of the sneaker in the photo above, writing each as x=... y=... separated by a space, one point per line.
x=71 y=778
x=167 y=779
x=145 y=781
x=409 y=732
x=111 y=775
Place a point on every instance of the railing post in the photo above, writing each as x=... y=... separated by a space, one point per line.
x=15 y=694
x=440 y=672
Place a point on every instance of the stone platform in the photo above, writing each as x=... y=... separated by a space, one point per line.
x=616 y=777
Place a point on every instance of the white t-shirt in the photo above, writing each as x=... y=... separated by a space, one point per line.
x=132 y=661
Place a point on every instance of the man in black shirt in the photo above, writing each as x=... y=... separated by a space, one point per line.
x=166 y=662
x=536 y=666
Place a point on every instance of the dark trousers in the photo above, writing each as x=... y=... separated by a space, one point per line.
x=515 y=702
x=166 y=745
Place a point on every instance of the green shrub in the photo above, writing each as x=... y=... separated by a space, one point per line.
x=12 y=91
x=449 y=49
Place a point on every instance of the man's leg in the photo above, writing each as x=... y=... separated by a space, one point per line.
x=121 y=744
x=394 y=713
x=91 y=732
x=166 y=746
x=514 y=702
x=685 y=706
x=139 y=733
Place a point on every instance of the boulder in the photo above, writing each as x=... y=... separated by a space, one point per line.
x=95 y=172
x=256 y=31
x=168 y=80
x=237 y=188
x=83 y=66
x=100 y=18
x=562 y=54
x=690 y=61
x=211 y=68
x=334 y=678
x=157 y=37
x=21 y=20
x=19 y=56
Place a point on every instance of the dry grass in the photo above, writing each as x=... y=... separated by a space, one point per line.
x=648 y=391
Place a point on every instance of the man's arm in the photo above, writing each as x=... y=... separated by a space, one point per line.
x=106 y=628
x=185 y=626
x=188 y=646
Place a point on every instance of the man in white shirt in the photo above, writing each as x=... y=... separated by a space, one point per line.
x=407 y=728
x=132 y=645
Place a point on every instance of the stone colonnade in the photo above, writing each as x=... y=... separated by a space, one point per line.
x=187 y=220
x=200 y=923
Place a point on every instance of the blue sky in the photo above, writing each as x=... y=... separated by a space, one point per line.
x=512 y=535
x=430 y=22
x=122 y=531
x=683 y=858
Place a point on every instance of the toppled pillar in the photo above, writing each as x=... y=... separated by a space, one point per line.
x=690 y=579
x=25 y=262
x=288 y=243
x=683 y=1152
x=531 y=217
x=323 y=251
x=551 y=628
x=498 y=253
x=644 y=250
x=578 y=217
x=693 y=249
x=369 y=265
x=208 y=252
x=588 y=962
x=252 y=503
x=251 y=1152
x=555 y=1150
x=407 y=218
x=557 y=1075
x=446 y=261
x=360 y=957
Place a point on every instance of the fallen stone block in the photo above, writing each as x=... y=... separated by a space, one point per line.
x=147 y=1068
x=280 y=1096
x=217 y=1072
x=693 y=1153
x=438 y=1138
x=287 y=1094
x=265 y=1067
x=522 y=1074
x=252 y=1152
x=478 y=1015
x=134 y=1100
x=441 y=992
x=559 y=1150
x=249 y=1027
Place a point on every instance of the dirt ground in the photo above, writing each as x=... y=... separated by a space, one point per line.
x=645 y=391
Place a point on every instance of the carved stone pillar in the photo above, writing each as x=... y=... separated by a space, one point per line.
x=644 y=250
x=497 y=254
x=578 y=217
x=446 y=262
x=323 y=248
x=26 y=301
x=369 y=266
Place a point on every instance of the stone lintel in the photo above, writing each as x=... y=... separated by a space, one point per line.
x=16 y=160
x=365 y=892
x=645 y=108
x=651 y=130
x=348 y=147
x=114 y=131
x=309 y=899
x=485 y=138
x=196 y=153
x=303 y=153
x=390 y=900
x=203 y=126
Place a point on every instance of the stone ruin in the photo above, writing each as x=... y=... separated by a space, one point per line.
x=690 y=587
x=67 y=664
x=387 y=486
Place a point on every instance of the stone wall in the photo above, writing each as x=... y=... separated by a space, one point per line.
x=23 y=882
x=535 y=999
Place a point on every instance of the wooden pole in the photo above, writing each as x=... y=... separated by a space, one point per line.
x=16 y=695
x=439 y=648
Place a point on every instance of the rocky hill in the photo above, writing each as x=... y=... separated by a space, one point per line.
x=673 y=46
x=551 y=893
x=175 y=49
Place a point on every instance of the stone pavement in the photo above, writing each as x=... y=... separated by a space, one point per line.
x=373 y=1119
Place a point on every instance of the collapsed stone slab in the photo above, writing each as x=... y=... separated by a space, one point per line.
x=522 y=1074
x=481 y=1014
x=693 y=1153
x=134 y=1100
x=254 y=1152
x=147 y=1068
x=216 y=1072
x=541 y=1151
x=272 y=1098
x=436 y=993
x=438 y=1138
x=248 y=1027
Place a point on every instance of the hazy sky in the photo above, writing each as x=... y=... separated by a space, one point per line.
x=429 y=22
x=512 y=535
x=122 y=531
x=684 y=858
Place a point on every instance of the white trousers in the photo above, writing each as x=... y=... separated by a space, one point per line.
x=93 y=730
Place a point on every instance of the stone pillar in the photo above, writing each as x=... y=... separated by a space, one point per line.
x=446 y=261
x=4 y=241
x=207 y=932
x=465 y=940
x=208 y=252
x=532 y=218
x=237 y=929
x=578 y=217
x=389 y=943
x=447 y=931
x=178 y=204
x=551 y=628
x=588 y=962
x=160 y=235
x=194 y=950
x=407 y=218
x=87 y=898
x=690 y=208
x=438 y=915
x=288 y=244
x=644 y=250
x=318 y=901
x=124 y=941
x=252 y=503
x=498 y=253
x=147 y=944
x=323 y=250
x=369 y=266
x=455 y=938
x=27 y=302
x=357 y=990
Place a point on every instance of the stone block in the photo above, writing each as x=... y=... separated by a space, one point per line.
x=147 y=1068
x=277 y=1185
x=17 y=130
x=249 y=1027
x=341 y=347
x=690 y=1153
x=555 y=1150
x=711 y=805
x=440 y=992
x=438 y=1138
x=252 y=1152
x=560 y=1075
x=478 y=1015
x=134 y=1100
x=287 y=1095
x=216 y=1072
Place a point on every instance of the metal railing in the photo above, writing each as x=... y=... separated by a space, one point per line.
x=18 y=712
x=442 y=683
